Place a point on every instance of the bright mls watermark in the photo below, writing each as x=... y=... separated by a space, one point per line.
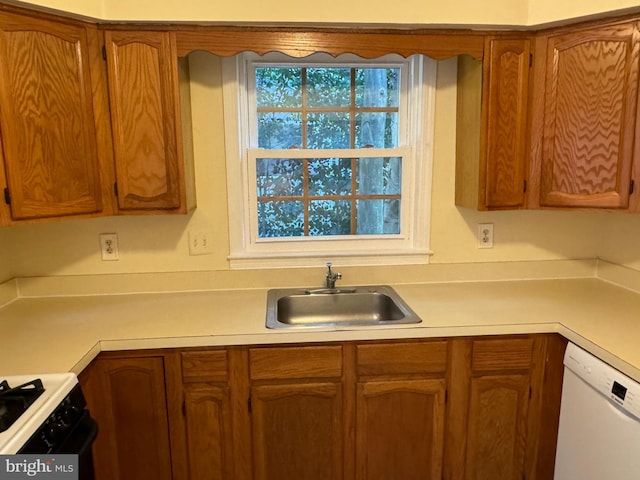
x=50 y=467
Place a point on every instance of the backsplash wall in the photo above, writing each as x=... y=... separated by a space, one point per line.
x=159 y=243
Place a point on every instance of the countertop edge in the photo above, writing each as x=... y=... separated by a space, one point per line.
x=343 y=335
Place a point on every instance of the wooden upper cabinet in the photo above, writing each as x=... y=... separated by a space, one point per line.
x=505 y=90
x=591 y=93
x=47 y=119
x=144 y=95
x=491 y=145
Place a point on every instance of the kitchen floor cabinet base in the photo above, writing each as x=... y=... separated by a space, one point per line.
x=477 y=408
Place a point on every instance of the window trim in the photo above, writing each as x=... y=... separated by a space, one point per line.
x=410 y=247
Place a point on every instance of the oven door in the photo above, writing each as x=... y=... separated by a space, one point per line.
x=78 y=440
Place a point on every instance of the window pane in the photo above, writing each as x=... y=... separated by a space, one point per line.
x=378 y=217
x=329 y=176
x=379 y=176
x=328 y=130
x=279 y=130
x=277 y=177
x=376 y=129
x=329 y=217
x=329 y=87
x=377 y=87
x=280 y=219
x=279 y=87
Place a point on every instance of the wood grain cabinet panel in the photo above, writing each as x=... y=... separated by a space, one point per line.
x=47 y=119
x=590 y=115
x=298 y=431
x=145 y=115
x=497 y=427
x=208 y=422
x=127 y=396
x=400 y=429
x=481 y=408
x=506 y=88
x=492 y=118
x=504 y=393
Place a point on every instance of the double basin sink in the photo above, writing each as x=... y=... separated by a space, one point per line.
x=336 y=307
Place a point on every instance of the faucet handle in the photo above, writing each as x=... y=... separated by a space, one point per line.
x=331 y=277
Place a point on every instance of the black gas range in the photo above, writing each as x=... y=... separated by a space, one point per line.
x=46 y=414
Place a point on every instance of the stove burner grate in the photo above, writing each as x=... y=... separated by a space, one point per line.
x=15 y=401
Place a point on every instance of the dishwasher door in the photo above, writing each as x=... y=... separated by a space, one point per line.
x=599 y=433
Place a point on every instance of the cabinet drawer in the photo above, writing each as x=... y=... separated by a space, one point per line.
x=295 y=362
x=502 y=354
x=402 y=358
x=204 y=366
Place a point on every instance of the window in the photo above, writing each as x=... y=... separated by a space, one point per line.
x=328 y=157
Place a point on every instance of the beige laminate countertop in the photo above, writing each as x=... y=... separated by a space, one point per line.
x=53 y=334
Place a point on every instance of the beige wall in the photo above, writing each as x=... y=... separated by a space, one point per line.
x=5 y=257
x=434 y=12
x=621 y=240
x=545 y=11
x=159 y=243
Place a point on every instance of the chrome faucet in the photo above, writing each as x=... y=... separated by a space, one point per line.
x=331 y=277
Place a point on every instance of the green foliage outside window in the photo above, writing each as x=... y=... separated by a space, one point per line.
x=327 y=108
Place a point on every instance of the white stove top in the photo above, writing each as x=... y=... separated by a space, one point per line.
x=56 y=387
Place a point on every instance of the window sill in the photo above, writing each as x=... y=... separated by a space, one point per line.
x=312 y=259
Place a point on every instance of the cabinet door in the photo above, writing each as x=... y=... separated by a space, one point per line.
x=127 y=398
x=298 y=431
x=399 y=429
x=207 y=413
x=208 y=420
x=497 y=387
x=145 y=111
x=589 y=118
x=506 y=81
x=47 y=120
x=497 y=427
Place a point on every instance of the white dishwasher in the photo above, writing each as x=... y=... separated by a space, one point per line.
x=599 y=433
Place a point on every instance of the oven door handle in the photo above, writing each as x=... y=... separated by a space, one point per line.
x=80 y=438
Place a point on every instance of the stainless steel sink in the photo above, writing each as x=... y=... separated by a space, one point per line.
x=345 y=306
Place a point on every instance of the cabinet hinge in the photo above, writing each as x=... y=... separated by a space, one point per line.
x=115 y=188
x=249 y=404
x=632 y=184
x=524 y=186
x=104 y=52
x=530 y=393
x=530 y=60
x=184 y=408
x=7 y=196
x=446 y=396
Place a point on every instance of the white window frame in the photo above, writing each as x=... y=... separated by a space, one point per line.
x=416 y=128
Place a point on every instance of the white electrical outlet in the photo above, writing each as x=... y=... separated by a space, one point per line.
x=485 y=235
x=109 y=246
x=200 y=242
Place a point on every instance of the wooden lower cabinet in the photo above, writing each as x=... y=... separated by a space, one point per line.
x=127 y=397
x=208 y=429
x=461 y=408
x=297 y=431
x=497 y=427
x=400 y=429
x=400 y=409
x=297 y=412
